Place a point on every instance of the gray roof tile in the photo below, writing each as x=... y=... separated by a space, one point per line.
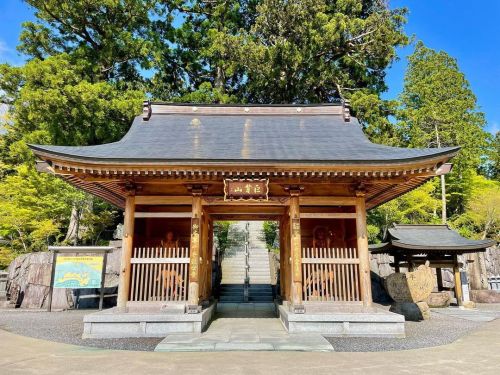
x=246 y=138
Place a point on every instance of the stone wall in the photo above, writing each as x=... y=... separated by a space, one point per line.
x=29 y=280
x=492 y=260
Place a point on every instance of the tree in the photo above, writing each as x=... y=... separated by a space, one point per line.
x=311 y=51
x=439 y=109
x=115 y=36
x=270 y=234
x=33 y=208
x=418 y=206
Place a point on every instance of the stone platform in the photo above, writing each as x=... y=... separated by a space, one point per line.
x=244 y=326
x=145 y=322
x=343 y=320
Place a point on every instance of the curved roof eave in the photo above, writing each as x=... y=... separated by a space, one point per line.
x=50 y=152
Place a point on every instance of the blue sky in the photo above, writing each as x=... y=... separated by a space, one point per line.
x=467 y=31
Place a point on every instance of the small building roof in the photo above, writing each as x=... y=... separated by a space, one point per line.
x=424 y=238
x=246 y=134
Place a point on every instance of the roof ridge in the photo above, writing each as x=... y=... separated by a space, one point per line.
x=161 y=108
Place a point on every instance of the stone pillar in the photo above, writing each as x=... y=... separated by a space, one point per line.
x=127 y=248
x=194 y=255
x=363 y=253
x=296 y=252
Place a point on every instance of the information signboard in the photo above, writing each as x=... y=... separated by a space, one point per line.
x=78 y=271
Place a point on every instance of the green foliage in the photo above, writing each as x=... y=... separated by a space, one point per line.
x=373 y=233
x=315 y=50
x=270 y=234
x=482 y=216
x=417 y=206
x=116 y=36
x=7 y=255
x=33 y=208
x=54 y=101
x=221 y=235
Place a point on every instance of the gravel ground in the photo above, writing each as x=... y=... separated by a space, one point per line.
x=67 y=327
x=439 y=330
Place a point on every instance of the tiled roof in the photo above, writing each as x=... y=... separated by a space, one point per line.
x=245 y=138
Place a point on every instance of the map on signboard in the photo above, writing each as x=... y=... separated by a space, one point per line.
x=78 y=272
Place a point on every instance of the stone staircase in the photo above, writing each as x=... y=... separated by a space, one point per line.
x=234 y=263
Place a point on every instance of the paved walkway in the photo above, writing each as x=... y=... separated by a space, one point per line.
x=484 y=313
x=478 y=353
x=244 y=326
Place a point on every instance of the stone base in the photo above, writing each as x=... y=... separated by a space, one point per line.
x=137 y=322
x=485 y=296
x=331 y=319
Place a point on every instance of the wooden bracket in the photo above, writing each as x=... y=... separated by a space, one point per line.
x=360 y=189
x=131 y=187
x=197 y=189
x=294 y=190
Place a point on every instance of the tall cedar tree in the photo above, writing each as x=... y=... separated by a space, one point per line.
x=439 y=109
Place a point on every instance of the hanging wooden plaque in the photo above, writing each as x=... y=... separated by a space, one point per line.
x=246 y=189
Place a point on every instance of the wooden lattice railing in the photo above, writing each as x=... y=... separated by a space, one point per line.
x=330 y=274
x=159 y=274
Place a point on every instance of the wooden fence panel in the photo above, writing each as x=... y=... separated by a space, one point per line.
x=330 y=274
x=159 y=274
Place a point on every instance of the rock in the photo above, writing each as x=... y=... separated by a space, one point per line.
x=485 y=296
x=413 y=286
x=379 y=293
x=424 y=310
x=469 y=305
x=439 y=299
x=414 y=312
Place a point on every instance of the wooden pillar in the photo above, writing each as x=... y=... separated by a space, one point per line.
x=286 y=275
x=396 y=263
x=439 y=277
x=194 y=255
x=296 y=252
x=282 y=260
x=363 y=254
x=127 y=248
x=458 y=281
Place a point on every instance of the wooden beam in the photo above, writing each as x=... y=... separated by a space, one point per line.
x=327 y=201
x=363 y=253
x=439 y=277
x=127 y=248
x=219 y=201
x=163 y=200
x=163 y=214
x=327 y=215
x=159 y=260
x=330 y=261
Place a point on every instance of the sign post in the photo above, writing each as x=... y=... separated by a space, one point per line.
x=78 y=271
